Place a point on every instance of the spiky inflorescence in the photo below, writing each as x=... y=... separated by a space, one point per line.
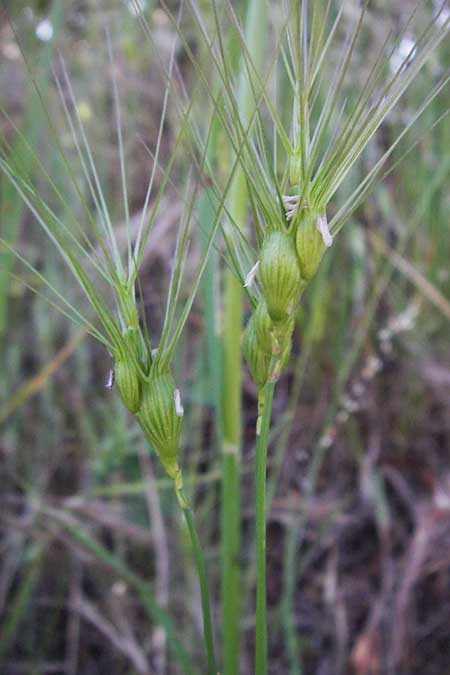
x=288 y=261
x=153 y=399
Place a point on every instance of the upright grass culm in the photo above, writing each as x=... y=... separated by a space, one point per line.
x=255 y=30
x=289 y=197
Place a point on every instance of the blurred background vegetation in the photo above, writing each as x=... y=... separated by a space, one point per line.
x=359 y=480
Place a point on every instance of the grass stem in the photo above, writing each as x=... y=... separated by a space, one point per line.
x=255 y=29
x=230 y=524
x=265 y=398
x=201 y=572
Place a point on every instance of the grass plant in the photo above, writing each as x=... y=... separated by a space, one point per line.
x=298 y=177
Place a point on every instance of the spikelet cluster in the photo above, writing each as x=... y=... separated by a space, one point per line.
x=160 y=417
x=149 y=393
x=126 y=374
x=311 y=240
x=289 y=259
x=267 y=337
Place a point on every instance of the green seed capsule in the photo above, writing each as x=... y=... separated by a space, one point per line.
x=310 y=243
x=160 y=417
x=273 y=336
x=279 y=274
x=262 y=365
x=258 y=360
x=125 y=371
x=128 y=384
x=263 y=326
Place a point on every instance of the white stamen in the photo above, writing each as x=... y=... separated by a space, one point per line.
x=290 y=203
x=154 y=352
x=249 y=279
x=110 y=379
x=44 y=30
x=290 y=213
x=322 y=226
x=178 y=405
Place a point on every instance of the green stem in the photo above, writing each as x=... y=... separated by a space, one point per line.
x=265 y=398
x=201 y=572
x=230 y=521
x=255 y=29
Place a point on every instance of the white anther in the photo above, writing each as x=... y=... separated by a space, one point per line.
x=290 y=213
x=119 y=588
x=154 y=352
x=290 y=203
x=249 y=279
x=322 y=226
x=289 y=199
x=110 y=379
x=179 y=410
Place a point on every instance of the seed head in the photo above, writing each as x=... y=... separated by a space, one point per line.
x=128 y=383
x=160 y=417
x=264 y=365
x=258 y=360
x=263 y=326
x=279 y=274
x=125 y=369
x=273 y=336
x=312 y=238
